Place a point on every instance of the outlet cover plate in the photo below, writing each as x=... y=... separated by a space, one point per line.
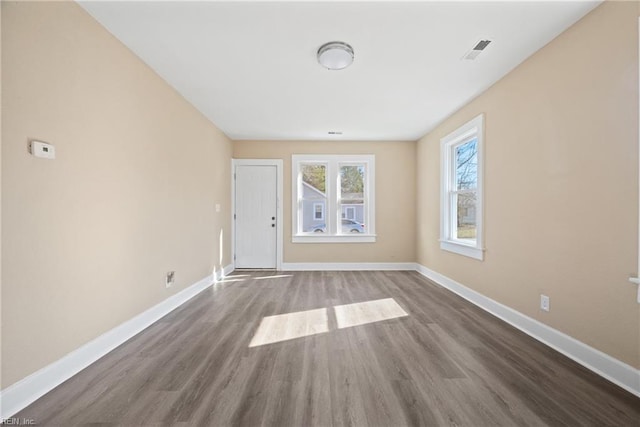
x=170 y=278
x=544 y=302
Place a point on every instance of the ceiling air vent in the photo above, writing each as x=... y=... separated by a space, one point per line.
x=477 y=49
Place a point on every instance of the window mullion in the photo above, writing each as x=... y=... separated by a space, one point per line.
x=300 y=198
x=331 y=198
x=453 y=216
x=338 y=211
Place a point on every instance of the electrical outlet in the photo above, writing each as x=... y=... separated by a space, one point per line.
x=170 y=279
x=544 y=302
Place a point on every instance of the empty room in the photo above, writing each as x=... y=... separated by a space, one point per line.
x=320 y=213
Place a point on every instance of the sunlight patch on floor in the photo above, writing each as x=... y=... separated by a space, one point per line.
x=283 y=327
x=361 y=313
x=288 y=326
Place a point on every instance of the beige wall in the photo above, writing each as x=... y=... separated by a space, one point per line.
x=130 y=196
x=395 y=199
x=561 y=185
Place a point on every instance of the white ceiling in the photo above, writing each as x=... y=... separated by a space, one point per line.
x=251 y=67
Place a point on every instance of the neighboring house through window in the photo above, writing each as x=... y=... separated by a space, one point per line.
x=461 y=196
x=333 y=198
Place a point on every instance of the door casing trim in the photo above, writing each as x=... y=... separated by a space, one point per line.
x=278 y=163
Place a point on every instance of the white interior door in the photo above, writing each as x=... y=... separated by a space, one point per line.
x=256 y=216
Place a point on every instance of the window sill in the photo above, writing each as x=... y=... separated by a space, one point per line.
x=340 y=238
x=462 y=249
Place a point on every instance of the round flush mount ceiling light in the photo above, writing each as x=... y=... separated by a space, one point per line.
x=335 y=55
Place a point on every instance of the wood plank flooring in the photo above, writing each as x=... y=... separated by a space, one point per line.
x=446 y=363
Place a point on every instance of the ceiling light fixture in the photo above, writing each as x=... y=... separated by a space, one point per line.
x=335 y=55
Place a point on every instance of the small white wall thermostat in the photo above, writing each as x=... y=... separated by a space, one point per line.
x=42 y=149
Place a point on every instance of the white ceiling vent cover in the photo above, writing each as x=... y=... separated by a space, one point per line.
x=477 y=49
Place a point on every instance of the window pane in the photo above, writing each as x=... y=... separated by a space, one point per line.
x=466 y=217
x=352 y=181
x=314 y=181
x=467 y=165
x=352 y=206
x=313 y=198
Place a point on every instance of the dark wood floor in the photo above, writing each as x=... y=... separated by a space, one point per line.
x=446 y=363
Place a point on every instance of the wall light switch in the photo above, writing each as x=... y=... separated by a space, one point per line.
x=42 y=150
x=217 y=207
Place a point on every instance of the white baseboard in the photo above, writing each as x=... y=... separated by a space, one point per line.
x=617 y=372
x=21 y=394
x=229 y=269
x=348 y=266
x=225 y=272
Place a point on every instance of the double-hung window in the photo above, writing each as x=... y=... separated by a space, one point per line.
x=333 y=198
x=461 y=192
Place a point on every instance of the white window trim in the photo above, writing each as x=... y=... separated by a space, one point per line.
x=474 y=127
x=321 y=211
x=333 y=161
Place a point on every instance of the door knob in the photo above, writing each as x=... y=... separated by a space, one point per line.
x=273 y=218
x=273 y=225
